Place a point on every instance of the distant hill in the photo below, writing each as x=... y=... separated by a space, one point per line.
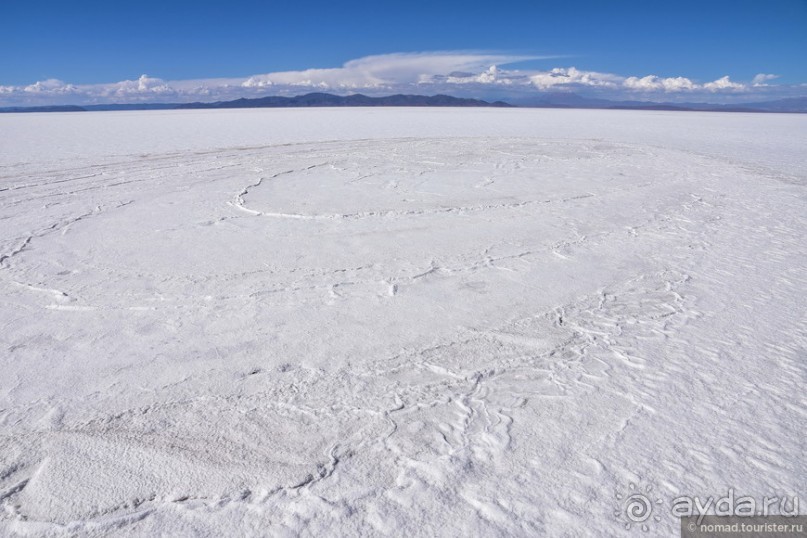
x=545 y=100
x=572 y=100
x=53 y=108
x=330 y=100
x=792 y=104
x=135 y=106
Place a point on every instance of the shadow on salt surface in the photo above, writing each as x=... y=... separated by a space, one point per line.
x=210 y=448
x=432 y=420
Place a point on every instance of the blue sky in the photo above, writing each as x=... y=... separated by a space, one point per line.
x=88 y=51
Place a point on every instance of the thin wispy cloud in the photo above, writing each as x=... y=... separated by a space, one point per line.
x=387 y=70
x=762 y=79
x=425 y=72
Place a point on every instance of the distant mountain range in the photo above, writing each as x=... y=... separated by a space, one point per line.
x=551 y=100
x=307 y=100
x=329 y=100
x=571 y=100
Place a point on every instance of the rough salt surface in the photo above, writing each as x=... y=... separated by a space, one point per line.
x=397 y=321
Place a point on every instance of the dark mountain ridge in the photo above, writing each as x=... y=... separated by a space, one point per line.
x=572 y=100
x=330 y=100
x=549 y=100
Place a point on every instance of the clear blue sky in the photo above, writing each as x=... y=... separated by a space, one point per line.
x=99 y=41
x=89 y=42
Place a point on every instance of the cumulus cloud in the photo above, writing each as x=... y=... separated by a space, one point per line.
x=50 y=86
x=762 y=79
x=471 y=73
x=385 y=70
x=562 y=77
x=654 y=83
x=570 y=76
x=681 y=84
x=399 y=72
x=723 y=83
x=491 y=75
x=145 y=85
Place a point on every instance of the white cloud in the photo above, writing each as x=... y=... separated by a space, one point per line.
x=723 y=83
x=477 y=73
x=145 y=85
x=568 y=76
x=256 y=82
x=399 y=71
x=492 y=75
x=51 y=85
x=761 y=79
x=654 y=83
x=680 y=84
x=385 y=70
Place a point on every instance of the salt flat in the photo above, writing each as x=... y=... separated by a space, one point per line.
x=397 y=321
